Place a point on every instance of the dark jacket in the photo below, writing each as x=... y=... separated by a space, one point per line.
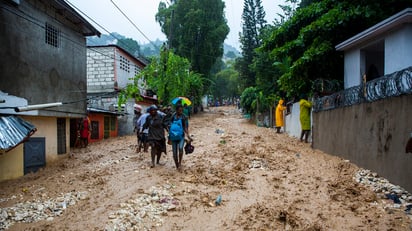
x=156 y=126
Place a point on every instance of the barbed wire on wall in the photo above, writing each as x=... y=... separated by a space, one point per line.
x=395 y=84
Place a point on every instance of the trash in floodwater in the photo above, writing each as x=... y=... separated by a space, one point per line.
x=218 y=200
x=219 y=131
x=393 y=197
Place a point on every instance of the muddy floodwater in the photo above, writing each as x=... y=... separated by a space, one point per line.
x=240 y=177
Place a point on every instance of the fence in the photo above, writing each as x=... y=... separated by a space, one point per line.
x=394 y=84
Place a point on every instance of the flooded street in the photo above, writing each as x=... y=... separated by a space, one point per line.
x=266 y=181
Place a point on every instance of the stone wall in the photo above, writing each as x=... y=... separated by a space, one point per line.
x=372 y=135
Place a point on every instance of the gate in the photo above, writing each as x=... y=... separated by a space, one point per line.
x=34 y=154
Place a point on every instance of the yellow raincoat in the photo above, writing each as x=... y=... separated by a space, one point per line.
x=305 y=114
x=279 y=114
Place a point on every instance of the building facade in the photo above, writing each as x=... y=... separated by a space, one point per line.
x=370 y=122
x=42 y=62
x=109 y=69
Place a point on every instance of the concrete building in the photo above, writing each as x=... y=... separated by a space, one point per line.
x=109 y=69
x=42 y=61
x=385 y=47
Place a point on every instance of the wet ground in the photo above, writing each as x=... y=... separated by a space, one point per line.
x=266 y=181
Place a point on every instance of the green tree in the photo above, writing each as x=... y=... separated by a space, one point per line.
x=308 y=38
x=248 y=100
x=253 y=21
x=226 y=84
x=168 y=76
x=196 y=30
x=130 y=46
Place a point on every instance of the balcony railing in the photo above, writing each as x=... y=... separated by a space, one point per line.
x=395 y=84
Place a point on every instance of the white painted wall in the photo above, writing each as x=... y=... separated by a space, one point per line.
x=353 y=68
x=398 y=50
x=292 y=122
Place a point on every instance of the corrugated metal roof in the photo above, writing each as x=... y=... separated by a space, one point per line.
x=13 y=131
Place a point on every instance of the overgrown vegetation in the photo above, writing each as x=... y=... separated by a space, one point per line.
x=298 y=51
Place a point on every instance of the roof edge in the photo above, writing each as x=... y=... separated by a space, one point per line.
x=404 y=16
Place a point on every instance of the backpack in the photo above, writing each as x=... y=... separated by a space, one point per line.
x=176 y=132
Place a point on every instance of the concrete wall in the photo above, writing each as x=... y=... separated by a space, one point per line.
x=12 y=164
x=372 y=135
x=292 y=122
x=47 y=127
x=353 y=68
x=39 y=72
x=109 y=67
x=126 y=68
x=100 y=69
x=398 y=50
x=126 y=122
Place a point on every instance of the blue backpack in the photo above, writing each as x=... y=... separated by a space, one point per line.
x=176 y=132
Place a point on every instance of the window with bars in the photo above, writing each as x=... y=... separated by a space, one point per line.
x=52 y=35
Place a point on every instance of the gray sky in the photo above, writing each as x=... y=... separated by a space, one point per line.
x=142 y=13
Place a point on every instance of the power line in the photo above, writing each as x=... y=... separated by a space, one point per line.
x=109 y=33
x=135 y=25
x=38 y=23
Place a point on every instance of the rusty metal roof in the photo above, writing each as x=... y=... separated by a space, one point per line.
x=13 y=131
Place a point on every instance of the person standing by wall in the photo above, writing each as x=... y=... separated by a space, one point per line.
x=84 y=130
x=279 y=116
x=305 y=107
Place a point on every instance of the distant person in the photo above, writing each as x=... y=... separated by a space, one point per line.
x=179 y=127
x=137 y=114
x=84 y=130
x=186 y=110
x=156 y=136
x=279 y=116
x=305 y=107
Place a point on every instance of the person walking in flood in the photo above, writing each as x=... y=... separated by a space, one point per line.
x=179 y=127
x=305 y=107
x=137 y=114
x=156 y=136
x=279 y=123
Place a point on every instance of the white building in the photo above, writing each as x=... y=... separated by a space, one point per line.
x=386 y=46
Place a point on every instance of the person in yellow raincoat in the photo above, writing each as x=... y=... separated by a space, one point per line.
x=305 y=107
x=279 y=116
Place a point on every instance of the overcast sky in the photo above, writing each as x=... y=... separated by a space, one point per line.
x=142 y=13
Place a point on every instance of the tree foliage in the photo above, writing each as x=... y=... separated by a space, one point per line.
x=226 y=83
x=196 y=30
x=253 y=21
x=130 y=46
x=306 y=41
x=168 y=76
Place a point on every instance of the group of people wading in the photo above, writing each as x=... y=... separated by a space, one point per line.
x=151 y=128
